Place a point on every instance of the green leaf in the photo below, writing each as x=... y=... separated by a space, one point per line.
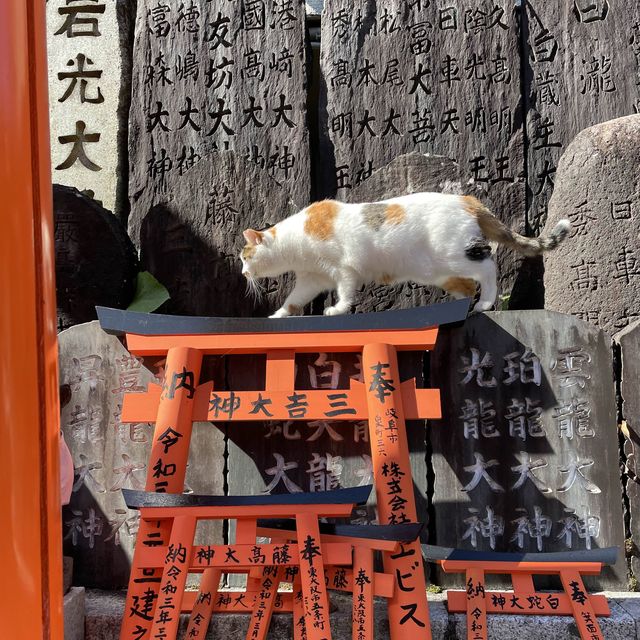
x=150 y=294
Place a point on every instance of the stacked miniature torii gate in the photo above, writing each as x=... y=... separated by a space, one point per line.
x=382 y=400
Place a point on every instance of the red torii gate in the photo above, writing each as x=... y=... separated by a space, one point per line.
x=383 y=400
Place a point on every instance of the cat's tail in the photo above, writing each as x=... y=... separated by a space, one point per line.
x=496 y=231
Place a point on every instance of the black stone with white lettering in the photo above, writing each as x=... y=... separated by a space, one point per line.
x=215 y=76
x=525 y=457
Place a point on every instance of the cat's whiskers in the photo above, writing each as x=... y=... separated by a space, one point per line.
x=254 y=288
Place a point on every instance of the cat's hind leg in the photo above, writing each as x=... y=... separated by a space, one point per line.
x=307 y=287
x=486 y=277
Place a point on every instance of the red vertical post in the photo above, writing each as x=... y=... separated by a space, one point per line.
x=299 y=623
x=174 y=579
x=165 y=474
x=583 y=612
x=362 y=610
x=315 y=600
x=408 y=609
x=476 y=605
x=203 y=608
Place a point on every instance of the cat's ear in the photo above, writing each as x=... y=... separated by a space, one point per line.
x=252 y=236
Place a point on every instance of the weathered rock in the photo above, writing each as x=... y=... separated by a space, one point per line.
x=89 y=51
x=582 y=68
x=438 y=78
x=214 y=76
x=595 y=274
x=96 y=263
x=191 y=241
x=629 y=341
x=74 y=611
x=409 y=173
x=526 y=453
x=99 y=531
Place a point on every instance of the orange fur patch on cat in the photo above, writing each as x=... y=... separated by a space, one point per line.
x=464 y=286
x=273 y=231
x=490 y=226
x=248 y=251
x=320 y=219
x=294 y=309
x=395 y=214
x=387 y=279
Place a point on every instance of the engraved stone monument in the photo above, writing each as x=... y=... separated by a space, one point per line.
x=526 y=454
x=595 y=274
x=98 y=530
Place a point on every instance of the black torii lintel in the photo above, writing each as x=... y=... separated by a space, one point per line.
x=119 y=322
x=607 y=556
x=149 y=499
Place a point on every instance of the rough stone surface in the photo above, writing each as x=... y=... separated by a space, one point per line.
x=582 y=68
x=595 y=275
x=99 y=532
x=526 y=454
x=629 y=341
x=191 y=241
x=409 y=173
x=214 y=76
x=104 y=612
x=96 y=263
x=434 y=77
x=89 y=56
x=67 y=573
x=74 y=612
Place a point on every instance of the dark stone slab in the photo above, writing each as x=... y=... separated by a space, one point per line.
x=409 y=173
x=434 y=77
x=191 y=239
x=582 y=67
x=595 y=274
x=629 y=343
x=96 y=263
x=215 y=76
x=525 y=457
x=98 y=530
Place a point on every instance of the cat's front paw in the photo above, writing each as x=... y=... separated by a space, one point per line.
x=482 y=306
x=280 y=313
x=334 y=311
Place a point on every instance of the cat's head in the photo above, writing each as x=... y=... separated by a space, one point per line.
x=259 y=260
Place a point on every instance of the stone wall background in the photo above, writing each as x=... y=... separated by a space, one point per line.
x=356 y=103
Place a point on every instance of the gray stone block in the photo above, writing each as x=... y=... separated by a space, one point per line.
x=595 y=274
x=67 y=573
x=74 y=614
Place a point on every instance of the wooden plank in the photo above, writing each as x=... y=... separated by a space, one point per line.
x=349 y=341
x=258 y=406
x=169 y=455
x=526 y=603
x=363 y=588
x=245 y=556
x=264 y=603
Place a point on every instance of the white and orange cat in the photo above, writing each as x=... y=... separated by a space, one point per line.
x=427 y=238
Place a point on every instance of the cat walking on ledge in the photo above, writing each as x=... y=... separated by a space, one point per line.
x=427 y=238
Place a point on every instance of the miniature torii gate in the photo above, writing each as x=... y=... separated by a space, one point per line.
x=382 y=400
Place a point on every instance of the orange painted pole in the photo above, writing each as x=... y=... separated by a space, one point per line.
x=362 y=608
x=315 y=600
x=408 y=609
x=583 y=612
x=166 y=472
x=299 y=624
x=265 y=602
x=30 y=535
x=174 y=580
x=476 y=605
x=203 y=608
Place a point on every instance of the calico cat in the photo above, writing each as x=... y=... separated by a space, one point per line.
x=427 y=238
